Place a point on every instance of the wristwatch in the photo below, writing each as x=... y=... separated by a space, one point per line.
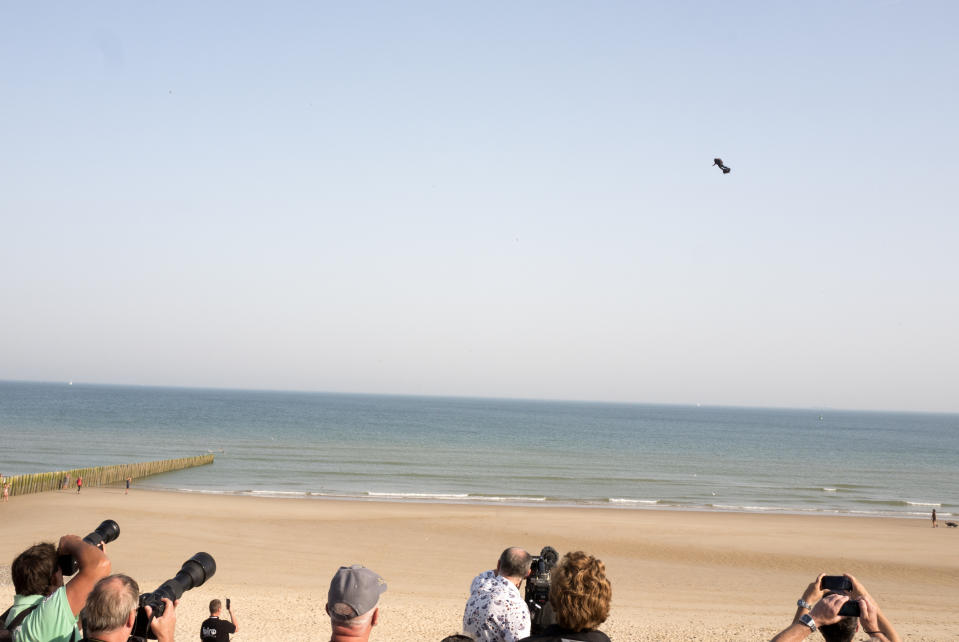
x=806 y=619
x=804 y=604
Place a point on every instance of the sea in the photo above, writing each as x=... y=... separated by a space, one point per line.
x=324 y=446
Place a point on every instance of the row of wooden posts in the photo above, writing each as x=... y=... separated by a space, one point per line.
x=100 y=475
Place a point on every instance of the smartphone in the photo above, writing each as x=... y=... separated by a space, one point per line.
x=227 y=604
x=835 y=583
x=850 y=608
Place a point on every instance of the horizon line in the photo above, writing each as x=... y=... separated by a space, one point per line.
x=474 y=397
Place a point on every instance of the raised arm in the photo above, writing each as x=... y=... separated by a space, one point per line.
x=93 y=564
x=825 y=611
x=882 y=622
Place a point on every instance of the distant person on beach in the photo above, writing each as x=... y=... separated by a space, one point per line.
x=6 y=492
x=495 y=611
x=213 y=628
x=351 y=603
x=65 y=482
x=47 y=610
x=580 y=595
x=79 y=484
x=111 y=612
x=935 y=521
x=127 y=491
x=818 y=609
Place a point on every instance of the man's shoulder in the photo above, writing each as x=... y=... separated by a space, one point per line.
x=20 y=603
x=482 y=581
x=53 y=620
x=557 y=634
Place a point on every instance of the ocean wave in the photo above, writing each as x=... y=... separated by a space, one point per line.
x=419 y=495
x=747 y=508
x=897 y=502
x=826 y=489
x=288 y=493
x=623 y=500
x=494 y=498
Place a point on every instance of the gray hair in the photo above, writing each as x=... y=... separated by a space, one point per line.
x=344 y=615
x=514 y=562
x=110 y=603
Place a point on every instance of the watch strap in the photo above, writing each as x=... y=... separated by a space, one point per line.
x=804 y=604
x=806 y=619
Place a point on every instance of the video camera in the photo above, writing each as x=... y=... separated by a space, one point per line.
x=105 y=533
x=537 y=589
x=194 y=572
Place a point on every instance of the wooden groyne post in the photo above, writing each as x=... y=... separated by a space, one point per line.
x=100 y=475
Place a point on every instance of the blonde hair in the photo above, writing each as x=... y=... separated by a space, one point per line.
x=580 y=593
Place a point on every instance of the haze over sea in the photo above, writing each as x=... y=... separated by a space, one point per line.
x=304 y=444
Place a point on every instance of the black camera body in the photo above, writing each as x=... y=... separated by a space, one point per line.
x=194 y=572
x=106 y=532
x=537 y=589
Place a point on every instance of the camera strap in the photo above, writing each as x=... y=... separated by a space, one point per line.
x=15 y=622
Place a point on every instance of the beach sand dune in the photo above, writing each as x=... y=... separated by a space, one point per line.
x=676 y=575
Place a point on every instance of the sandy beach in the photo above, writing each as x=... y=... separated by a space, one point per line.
x=675 y=575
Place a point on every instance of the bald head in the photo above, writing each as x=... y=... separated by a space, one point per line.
x=514 y=563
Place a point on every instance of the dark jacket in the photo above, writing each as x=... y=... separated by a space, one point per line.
x=556 y=633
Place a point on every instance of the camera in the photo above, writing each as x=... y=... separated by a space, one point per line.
x=105 y=533
x=537 y=589
x=194 y=572
x=835 y=583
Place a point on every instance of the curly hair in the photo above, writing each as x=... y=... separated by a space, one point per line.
x=580 y=593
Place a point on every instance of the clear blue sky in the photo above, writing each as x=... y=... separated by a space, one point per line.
x=495 y=199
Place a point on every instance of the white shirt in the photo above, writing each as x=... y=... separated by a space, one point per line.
x=495 y=611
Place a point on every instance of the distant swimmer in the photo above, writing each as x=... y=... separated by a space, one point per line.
x=719 y=161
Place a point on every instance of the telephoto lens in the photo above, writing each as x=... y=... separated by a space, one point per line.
x=106 y=532
x=194 y=572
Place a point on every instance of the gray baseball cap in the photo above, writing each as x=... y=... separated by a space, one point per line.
x=356 y=586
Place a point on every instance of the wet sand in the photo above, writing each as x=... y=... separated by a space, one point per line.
x=675 y=575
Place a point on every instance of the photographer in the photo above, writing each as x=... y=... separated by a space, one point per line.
x=495 y=611
x=213 y=628
x=819 y=609
x=580 y=596
x=111 y=611
x=38 y=581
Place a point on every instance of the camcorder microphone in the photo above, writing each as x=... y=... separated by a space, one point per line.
x=537 y=589
x=105 y=533
x=194 y=572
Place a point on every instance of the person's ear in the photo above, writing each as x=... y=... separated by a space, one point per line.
x=375 y=616
x=131 y=619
